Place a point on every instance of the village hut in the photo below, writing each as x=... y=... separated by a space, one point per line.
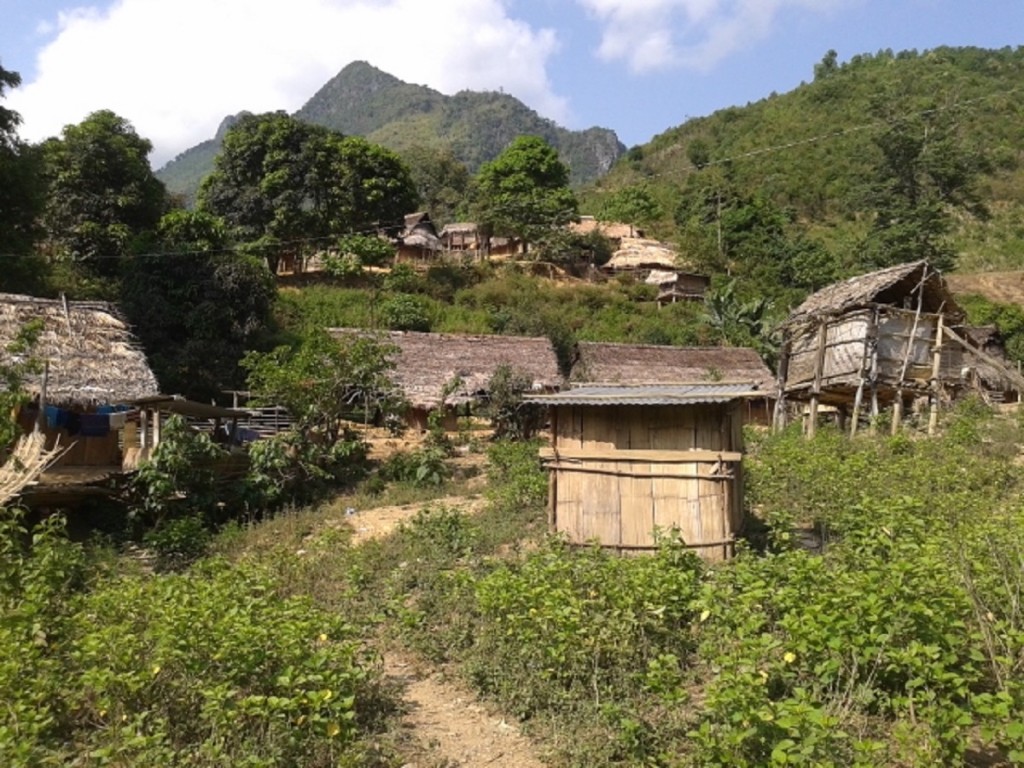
x=614 y=231
x=452 y=371
x=628 y=463
x=875 y=341
x=675 y=285
x=988 y=375
x=418 y=242
x=87 y=367
x=647 y=364
x=637 y=255
x=460 y=236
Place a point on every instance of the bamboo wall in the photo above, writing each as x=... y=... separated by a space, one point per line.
x=900 y=343
x=620 y=472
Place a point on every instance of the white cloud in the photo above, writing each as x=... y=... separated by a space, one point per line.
x=175 y=68
x=696 y=34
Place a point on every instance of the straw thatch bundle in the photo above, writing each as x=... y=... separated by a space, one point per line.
x=428 y=362
x=27 y=461
x=639 y=364
x=90 y=354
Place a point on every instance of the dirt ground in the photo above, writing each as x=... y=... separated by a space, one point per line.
x=450 y=725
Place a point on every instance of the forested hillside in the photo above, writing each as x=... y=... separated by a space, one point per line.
x=361 y=100
x=814 y=158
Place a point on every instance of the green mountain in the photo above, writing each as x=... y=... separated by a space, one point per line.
x=813 y=152
x=364 y=101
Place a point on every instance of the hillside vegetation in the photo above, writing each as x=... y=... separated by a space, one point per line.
x=813 y=152
x=361 y=100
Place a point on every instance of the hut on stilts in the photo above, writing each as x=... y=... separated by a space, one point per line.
x=882 y=340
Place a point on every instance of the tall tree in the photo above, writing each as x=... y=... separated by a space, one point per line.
x=281 y=184
x=21 y=198
x=102 y=193
x=524 y=192
x=925 y=171
x=196 y=305
x=632 y=205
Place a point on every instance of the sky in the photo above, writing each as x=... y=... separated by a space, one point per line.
x=176 y=68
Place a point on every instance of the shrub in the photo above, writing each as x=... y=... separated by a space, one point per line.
x=403 y=312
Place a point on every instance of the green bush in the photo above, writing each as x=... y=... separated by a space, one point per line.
x=403 y=312
x=209 y=667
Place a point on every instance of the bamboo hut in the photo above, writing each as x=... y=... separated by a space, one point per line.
x=646 y=364
x=453 y=371
x=675 y=285
x=876 y=341
x=626 y=462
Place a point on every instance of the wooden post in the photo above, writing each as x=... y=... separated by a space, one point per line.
x=819 y=364
x=936 y=382
x=553 y=475
x=779 y=413
x=143 y=431
x=865 y=370
x=897 y=412
x=156 y=428
x=41 y=414
x=873 y=377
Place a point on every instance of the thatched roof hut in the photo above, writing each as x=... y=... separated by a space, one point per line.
x=613 y=230
x=426 y=363
x=882 y=339
x=640 y=364
x=637 y=253
x=90 y=355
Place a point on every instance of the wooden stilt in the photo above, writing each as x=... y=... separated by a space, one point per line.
x=936 y=382
x=819 y=366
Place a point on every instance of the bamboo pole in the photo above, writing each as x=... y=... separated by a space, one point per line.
x=873 y=377
x=865 y=367
x=553 y=476
x=779 y=414
x=819 y=364
x=936 y=383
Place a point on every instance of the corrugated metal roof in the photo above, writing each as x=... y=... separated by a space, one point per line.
x=663 y=394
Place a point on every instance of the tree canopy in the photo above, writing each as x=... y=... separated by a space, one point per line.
x=196 y=307
x=102 y=193
x=524 y=192
x=285 y=184
x=21 y=196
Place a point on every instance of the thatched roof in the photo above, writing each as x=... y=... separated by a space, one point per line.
x=892 y=285
x=427 y=362
x=428 y=241
x=638 y=253
x=459 y=228
x=640 y=364
x=416 y=223
x=92 y=356
x=614 y=230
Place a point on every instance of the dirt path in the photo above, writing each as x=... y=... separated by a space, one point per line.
x=450 y=725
